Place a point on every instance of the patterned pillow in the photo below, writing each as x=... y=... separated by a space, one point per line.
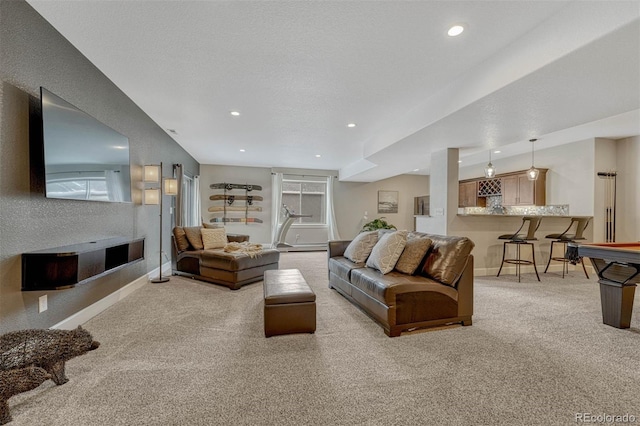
x=194 y=236
x=360 y=248
x=387 y=251
x=413 y=253
x=213 y=238
x=181 y=238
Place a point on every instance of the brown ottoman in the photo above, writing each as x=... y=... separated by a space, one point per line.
x=289 y=303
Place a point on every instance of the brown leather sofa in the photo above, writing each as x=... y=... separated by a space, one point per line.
x=401 y=302
x=231 y=269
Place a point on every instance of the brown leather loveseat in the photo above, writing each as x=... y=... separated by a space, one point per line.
x=231 y=269
x=439 y=292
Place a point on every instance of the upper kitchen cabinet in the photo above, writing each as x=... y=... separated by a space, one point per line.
x=518 y=190
x=468 y=194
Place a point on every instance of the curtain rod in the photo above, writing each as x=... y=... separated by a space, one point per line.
x=305 y=175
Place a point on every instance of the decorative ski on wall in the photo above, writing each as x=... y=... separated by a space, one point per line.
x=236 y=197
x=235 y=208
x=230 y=186
x=234 y=203
x=236 y=219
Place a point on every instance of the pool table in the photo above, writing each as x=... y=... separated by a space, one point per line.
x=618 y=268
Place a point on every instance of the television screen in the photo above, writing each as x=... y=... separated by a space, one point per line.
x=84 y=159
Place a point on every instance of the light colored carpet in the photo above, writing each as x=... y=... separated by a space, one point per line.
x=192 y=353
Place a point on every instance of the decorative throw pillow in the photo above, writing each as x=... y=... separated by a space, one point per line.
x=181 y=238
x=447 y=258
x=194 y=236
x=387 y=251
x=360 y=248
x=213 y=238
x=413 y=253
x=211 y=225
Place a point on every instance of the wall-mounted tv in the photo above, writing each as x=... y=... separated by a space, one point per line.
x=84 y=159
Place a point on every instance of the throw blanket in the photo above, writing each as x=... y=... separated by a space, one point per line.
x=250 y=249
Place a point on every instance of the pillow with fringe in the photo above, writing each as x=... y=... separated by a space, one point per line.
x=213 y=238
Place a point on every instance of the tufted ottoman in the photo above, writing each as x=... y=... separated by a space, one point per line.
x=289 y=303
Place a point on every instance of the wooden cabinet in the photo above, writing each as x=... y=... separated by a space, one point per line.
x=515 y=188
x=518 y=190
x=468 y=194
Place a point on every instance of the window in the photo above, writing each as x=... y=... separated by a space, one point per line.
x=306 y=197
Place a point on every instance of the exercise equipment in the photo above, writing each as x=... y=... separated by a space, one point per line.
x=290 y=215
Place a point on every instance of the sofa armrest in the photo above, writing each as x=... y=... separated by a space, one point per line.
x=465 y=289
x=337 y=247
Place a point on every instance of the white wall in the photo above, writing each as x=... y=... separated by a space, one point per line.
x=353 y=199
x=444 y=193
x=628 y=203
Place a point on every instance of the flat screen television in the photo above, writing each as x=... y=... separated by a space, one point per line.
x=84 y=159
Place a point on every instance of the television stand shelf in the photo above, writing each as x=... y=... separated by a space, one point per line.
x=64 y=267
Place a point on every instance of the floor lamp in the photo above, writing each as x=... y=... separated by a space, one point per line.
x=154 y=196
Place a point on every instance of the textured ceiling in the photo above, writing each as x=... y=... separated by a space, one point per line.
x=299 y=71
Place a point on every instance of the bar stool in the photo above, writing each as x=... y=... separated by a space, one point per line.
x=564 y=238
x=519 y=240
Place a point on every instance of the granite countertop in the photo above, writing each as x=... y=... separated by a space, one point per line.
x=559 y=210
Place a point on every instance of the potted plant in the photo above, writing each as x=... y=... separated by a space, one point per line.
x=379 y=223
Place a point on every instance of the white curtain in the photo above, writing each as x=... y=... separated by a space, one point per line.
x=196 y=216
x=276 y=205
x=332 y=226
x=179 y=200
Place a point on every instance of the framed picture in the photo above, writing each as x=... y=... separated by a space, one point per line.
x=387 y=201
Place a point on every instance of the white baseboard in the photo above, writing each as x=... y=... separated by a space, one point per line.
x=101 y=305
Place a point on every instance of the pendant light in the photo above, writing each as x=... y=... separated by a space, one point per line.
x=532 y=173
x=489 y=171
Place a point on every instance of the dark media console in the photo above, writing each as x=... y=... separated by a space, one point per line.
x=64 y=267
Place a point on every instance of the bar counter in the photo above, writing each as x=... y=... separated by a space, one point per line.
x=484 y=230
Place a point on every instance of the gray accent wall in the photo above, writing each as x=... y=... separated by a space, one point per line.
x=34 y=54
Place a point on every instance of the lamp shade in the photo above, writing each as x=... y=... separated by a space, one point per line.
x=489 y=171
x=171 y=186
x=152 y=173
x=532 y=173
x=152 y=196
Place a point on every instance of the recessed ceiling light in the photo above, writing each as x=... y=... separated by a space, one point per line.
x=415 y=170
x=235 y=113
x=459 y=161
x=455 y=30
x=242 y=150
x=497 y=151
x=318 y=156
x=351 y=125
